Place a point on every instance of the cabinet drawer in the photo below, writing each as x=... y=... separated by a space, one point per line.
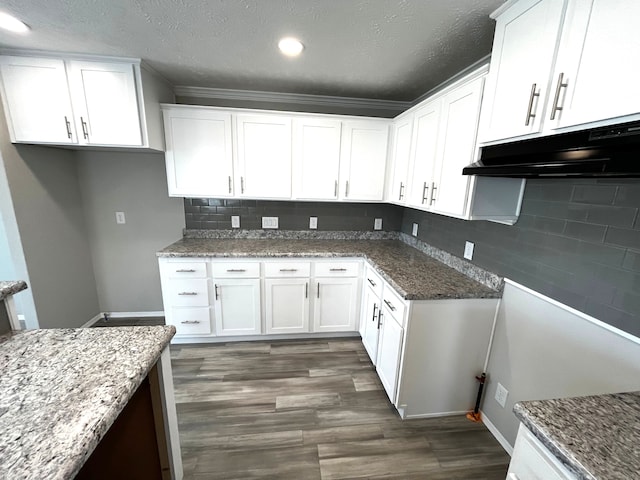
x=236 y=269
x=187 y=293
x=374 y=281
x=184 y=269
x=287 y=269
x=337 y=269
x=394 y=303
x=191 y=321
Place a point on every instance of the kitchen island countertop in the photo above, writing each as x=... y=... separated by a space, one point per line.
x=8 y=288
x=61 y=390
x=412 y=273
x=597 y=437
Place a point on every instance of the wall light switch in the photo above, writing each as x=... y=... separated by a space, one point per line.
x=235 y=221
x=120 y=218
x=313 y=223
x=468 y=250
x=501 y=395
x=377 y=224
x=414 y=230
x=269 y=222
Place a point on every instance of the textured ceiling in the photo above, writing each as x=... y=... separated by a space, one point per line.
x=383 y=49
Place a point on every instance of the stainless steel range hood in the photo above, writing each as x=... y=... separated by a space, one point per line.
x=612 y=151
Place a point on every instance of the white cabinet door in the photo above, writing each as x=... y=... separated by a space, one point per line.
x=316 y=158
x=597 y=72
x=402 y=131
x=199 y=155
x=369 y=327
x=363 y=160
x=460 y=110
x=523 y=52
x=105 y=103
x=336 y=305
x=36 y=99
x=389 y=351
x=237 y=306
x=264 y=156
x=426 y=128
x=286 y=305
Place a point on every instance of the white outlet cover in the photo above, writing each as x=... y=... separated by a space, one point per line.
x=313 y=223
x=377 y=224
x=120 y=218
x=414 y=230
x=468 y=250
x=501 y=395
x=235 y=221
x=270 y=222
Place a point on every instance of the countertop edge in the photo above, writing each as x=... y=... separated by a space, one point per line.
x=8 y=288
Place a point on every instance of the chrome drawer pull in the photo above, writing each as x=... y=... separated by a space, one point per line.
x=190 y=322
x=337 y=269
x=68 y=124
x=401 y=189
x=373 y=284
x=188 y=293
x=229 y=183
x=236 y=270
x=186 y=270
x=379 y=319
x=306 y=290
x=85 y=131
x=556 y=98
x=375 y=307
x=533 y=95
x=425 y=189
x=335 y=189
x=215 y=289
x=288 y=269
x=390 y=305
x=346 y=189
x=434 y=188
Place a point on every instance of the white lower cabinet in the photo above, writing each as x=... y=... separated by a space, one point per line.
x=237 y=306
x=389 y=352
x=286 y=305
x=369 y=323
x=336 y=305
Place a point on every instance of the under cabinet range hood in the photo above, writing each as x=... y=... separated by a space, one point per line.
x=612 y=151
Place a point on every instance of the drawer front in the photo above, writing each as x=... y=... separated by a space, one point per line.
x=374 y=281
x=287 y=269
x=236 y=269
x=191 y=321
x=184 y=269
x=188 y=293
x=394 y=303
x=337 y=269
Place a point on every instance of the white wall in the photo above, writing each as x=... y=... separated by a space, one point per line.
x=542 y=350
x=124 y=260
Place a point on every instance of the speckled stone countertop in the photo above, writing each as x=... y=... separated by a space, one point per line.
x=412 y=273
x=8 y=288
x=596 y=437
x=61 y=390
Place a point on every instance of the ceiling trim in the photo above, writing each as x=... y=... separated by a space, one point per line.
x=295 y=98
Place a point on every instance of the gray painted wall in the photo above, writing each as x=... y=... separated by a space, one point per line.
x=43 y=185
x=124 y=260
x=577 y=241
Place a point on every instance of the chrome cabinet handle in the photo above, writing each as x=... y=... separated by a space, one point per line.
x=318 y=295
x=337 y=269
x=306 y=290
x=186 y=270
x=241 y=184
x=533 y=95
x=425 y=191
x=556 y=97
x=390 y=305
x=215 y=290
x=190 y=322
x=401 y=189
x=85 y=130
x=188 y=293
x=375 y=307
x=236 y=270
x=373 y=284
x=288 y=269
x=335 y=189
x=434 y=188
x=346 y=189
x=379 y=319
x=68 y=124
x=229 y=183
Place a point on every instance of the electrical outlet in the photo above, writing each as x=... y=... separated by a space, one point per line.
x=235 y=221
x=501 y=395
x=269 y=222
x=120 y=218
x=468 y=250
x=377 y=224
x=414 y=230
x=313 y=223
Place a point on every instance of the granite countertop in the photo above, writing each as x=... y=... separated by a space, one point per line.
x=61 y=390
x=596 y=437
x=8 y=288
x=412 y=273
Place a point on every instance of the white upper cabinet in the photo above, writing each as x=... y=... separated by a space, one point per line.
x=36 y=100
x=521 y=62
x=316 y=158
x=264 y=156
x=199 y=155
x=401 y=153
x=597 y=72
x=363 y=160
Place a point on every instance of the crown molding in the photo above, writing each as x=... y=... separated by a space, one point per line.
x=293 y=98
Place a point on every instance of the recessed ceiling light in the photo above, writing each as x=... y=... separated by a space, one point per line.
x=11 y=23
x=291 y=47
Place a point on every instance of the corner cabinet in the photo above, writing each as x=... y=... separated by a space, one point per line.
x=81 y=102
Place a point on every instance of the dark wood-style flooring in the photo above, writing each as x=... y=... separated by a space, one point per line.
x=312 y=409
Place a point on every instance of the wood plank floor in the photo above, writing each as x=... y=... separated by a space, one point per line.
x=312 y=409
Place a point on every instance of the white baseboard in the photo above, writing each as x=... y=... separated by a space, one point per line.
x=262 y=338
x=134 y=314
x=91 y=322
x=496 y=433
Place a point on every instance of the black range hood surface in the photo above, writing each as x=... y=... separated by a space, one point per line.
x=612 y=151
